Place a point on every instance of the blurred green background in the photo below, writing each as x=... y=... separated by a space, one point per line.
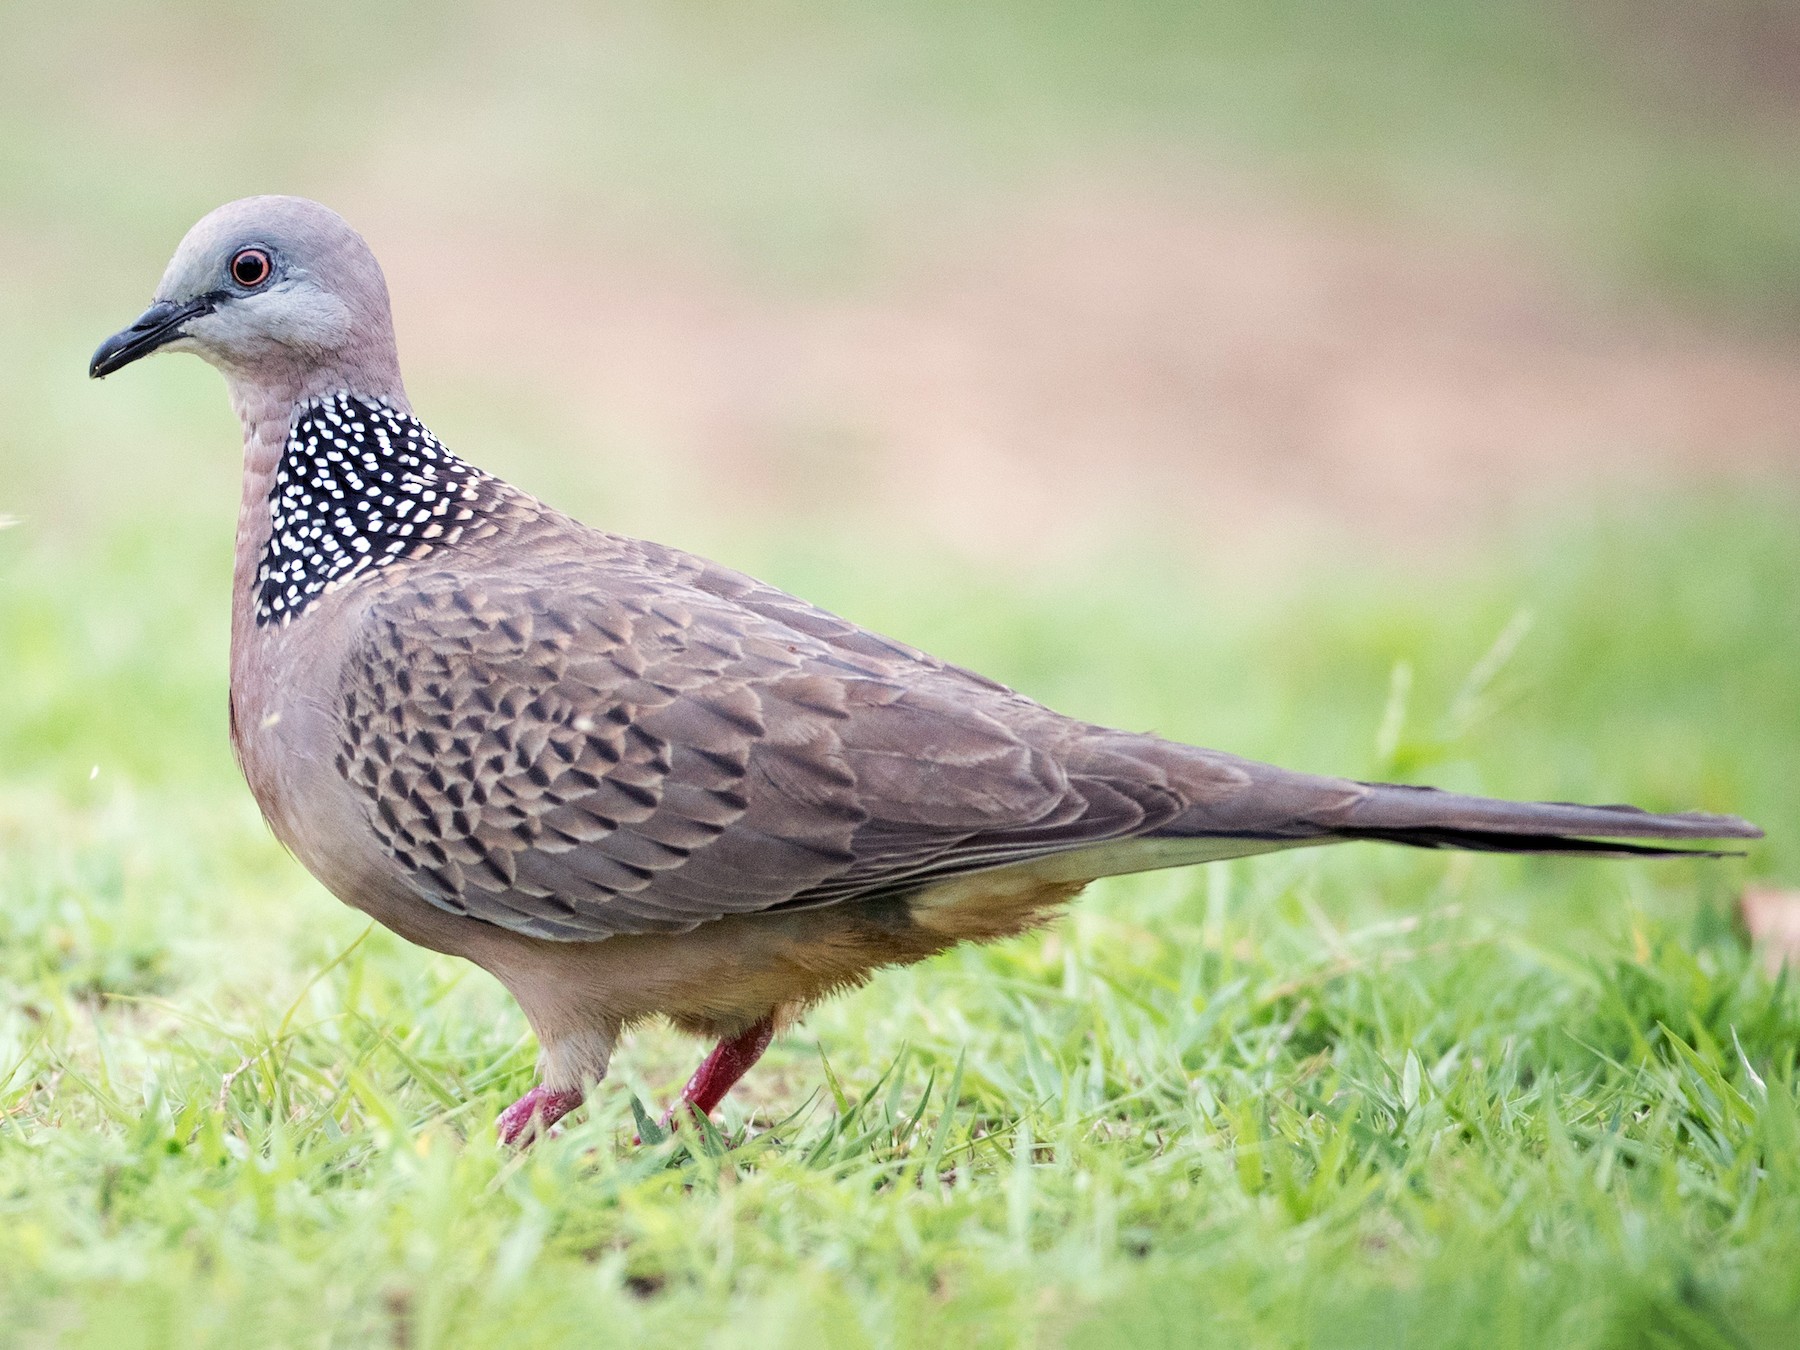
x=1382 y=387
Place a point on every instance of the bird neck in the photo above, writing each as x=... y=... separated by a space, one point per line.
x=266 y=412
x=267 y=407
x=335 y=485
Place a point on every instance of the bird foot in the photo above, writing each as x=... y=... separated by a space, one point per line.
x=730 y=1060
x=534 y=1113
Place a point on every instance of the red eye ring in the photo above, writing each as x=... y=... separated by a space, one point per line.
x=251 y=267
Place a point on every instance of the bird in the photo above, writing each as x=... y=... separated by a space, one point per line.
x=630 y=782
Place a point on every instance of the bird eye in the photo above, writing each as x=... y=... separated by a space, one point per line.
x=251 y=267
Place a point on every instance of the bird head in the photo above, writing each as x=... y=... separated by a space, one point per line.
x=270 y=288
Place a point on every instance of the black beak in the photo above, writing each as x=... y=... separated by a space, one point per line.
x=159 y=324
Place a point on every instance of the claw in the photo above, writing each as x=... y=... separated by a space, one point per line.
x=533 y=1114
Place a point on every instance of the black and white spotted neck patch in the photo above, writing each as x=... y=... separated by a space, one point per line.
x=360 y=485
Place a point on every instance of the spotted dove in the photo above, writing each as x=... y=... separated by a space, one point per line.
x=629 y=781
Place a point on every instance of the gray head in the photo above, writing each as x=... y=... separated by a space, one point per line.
x=277 y=292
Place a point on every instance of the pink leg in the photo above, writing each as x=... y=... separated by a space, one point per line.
x=730 y=1060
x=534 y=1113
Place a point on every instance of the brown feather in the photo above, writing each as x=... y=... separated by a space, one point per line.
x=629 y=781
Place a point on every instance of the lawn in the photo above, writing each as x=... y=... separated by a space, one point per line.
x=1351 y=1097
x=1346 y=1097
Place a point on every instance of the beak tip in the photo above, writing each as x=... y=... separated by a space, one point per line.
x=106 y=360
x=156 y=326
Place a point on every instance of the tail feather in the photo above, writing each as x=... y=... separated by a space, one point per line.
x=1430 y=818
x=1496 y=841
x=1232 y=798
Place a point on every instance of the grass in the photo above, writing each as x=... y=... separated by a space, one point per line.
x=1359 y=1097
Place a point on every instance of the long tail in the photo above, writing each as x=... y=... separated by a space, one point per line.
x=1429 y=818
x=1242 y=799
